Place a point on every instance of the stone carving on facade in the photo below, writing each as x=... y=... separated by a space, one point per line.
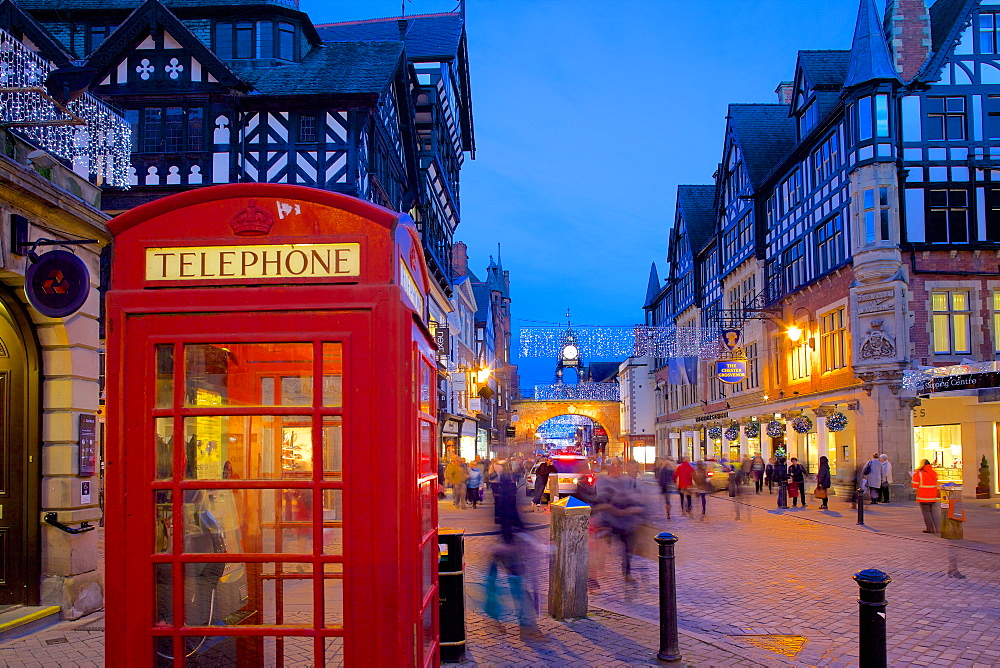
x=892 y=378
x=877 y=344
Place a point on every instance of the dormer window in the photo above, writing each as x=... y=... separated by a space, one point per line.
x=808 y=119
x=96 y=34
x=246 y=40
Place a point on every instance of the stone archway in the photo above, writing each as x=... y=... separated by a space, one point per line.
x=605 y=413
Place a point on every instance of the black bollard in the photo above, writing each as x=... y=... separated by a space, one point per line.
x=861 y=506
x=871 y=618
x=669 y=645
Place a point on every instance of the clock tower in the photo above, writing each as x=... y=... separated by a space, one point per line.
x=569 y=353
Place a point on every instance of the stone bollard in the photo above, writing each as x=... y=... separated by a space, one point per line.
x=669 y=642
x=569 y=535
x=871 y=618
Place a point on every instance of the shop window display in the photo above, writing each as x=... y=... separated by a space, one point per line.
x=941 y=445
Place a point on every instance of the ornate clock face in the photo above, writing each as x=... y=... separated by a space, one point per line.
x=570 y=352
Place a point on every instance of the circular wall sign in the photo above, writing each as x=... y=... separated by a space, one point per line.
x=57 y=284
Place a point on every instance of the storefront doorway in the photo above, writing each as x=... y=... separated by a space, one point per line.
x=19 y=432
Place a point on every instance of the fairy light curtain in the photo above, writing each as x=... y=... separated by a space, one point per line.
x=620 y=341
x=85 y=132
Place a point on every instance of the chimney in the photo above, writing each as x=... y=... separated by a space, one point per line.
x=784 y=91
x=459 y=259
x=402 y=25
x=908 y=27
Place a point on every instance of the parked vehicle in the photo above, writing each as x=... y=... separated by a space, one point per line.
x=570 y=469
x=718 y=474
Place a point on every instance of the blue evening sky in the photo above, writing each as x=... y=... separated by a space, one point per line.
x=588 y=114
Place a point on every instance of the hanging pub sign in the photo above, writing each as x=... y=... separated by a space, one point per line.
x=731 y=371
x=732 y=338
x=57 y=284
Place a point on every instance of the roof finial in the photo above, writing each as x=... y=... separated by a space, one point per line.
x=499 y=262
x=568 y=323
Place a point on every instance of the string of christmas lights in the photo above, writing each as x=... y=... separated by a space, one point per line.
x=619 y=341
x=578 y=392
x=102 y=145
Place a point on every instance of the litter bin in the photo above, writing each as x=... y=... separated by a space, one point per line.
x=451 y=586
x=952 y=511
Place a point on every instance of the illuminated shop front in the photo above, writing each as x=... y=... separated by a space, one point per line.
x=941 y=445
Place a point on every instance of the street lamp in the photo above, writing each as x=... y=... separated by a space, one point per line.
x=794 y=332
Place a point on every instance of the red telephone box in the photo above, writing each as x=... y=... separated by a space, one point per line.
x=271 y=467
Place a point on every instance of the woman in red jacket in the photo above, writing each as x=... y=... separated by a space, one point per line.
x=684 y=477
x=925 y=482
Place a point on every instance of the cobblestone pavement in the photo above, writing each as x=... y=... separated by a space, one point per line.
x=763 y=587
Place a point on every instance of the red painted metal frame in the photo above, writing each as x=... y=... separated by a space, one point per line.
x=387 y=354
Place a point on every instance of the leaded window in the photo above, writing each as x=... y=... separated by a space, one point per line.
x=829 y=240
x=988 y=33
x=167 y=129
x=952 y=314
x=794 y=262
x=944 y=118
x=875 y=211
x=948 y=216
x=833 y=339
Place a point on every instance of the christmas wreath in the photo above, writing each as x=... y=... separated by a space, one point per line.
x=802 y=424
x=715 y=433
x=733 y=432
x=752 y=430
x=836 y=422
x=775 y=429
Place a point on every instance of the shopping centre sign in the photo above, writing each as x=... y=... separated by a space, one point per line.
x=972 y=376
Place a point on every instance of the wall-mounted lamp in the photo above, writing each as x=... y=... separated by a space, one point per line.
x=795 y=332
x=483 y=374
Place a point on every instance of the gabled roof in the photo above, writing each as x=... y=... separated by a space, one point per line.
x=825 y=69
x=14 y=18
x=484 y=304
x=338 y=68
x=602 y=372
x=948 y=19
x=653 y=287
x=139 y=25
x=870 y=57
x=697 y=207
x=765 y=134
x=430 y=36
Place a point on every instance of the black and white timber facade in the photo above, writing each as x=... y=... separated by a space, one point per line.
x=863 y=208
x=236 y=92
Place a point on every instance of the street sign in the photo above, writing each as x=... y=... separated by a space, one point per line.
x=511 y=432
x=88 y=445
x=731 y=371
x=57 y=284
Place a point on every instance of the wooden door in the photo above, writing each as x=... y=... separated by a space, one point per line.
x=16 y=553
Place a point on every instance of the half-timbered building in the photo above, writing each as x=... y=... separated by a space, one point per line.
x=858 y=235
x=375 y=109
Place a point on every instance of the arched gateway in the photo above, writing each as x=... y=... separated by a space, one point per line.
x=607 y=414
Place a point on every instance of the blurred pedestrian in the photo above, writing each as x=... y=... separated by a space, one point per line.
x=453 y=475
x=474 y=484
x=684 y=479
x=632 y=471
x=702 y=485
x=872 y=473
x=781 y=477
x=665 y=479
x=542 y=473
x=797 y=486
x=769 y=475
x=757 y=469
x=510 y=558
x=745 y=467
x=823 y=483
x=925 y=481
x=619 y=512
x=886 y=478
